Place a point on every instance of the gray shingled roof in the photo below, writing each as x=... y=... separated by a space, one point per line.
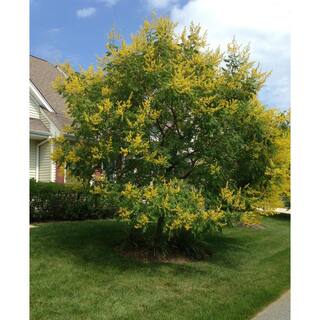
x=42 y=74
x=37 y=125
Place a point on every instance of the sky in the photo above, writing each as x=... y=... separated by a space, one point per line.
x=76 y=31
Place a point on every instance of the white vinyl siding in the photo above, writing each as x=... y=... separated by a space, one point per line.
x=44 y=120
x=33 y=108
x=53 y=166
x=45 y=162
x=32 y=159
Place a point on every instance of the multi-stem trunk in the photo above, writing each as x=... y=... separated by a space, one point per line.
x=159 y=230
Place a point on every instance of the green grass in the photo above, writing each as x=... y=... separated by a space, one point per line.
x=77 y=274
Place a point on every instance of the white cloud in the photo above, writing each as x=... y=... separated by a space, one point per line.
x=264 y=24
x=161 y=4
x=86 y=12
x=54 y=30
x=109 y=3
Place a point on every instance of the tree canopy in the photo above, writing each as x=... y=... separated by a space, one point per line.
x=166 y=106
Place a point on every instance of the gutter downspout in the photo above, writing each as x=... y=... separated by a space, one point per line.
x=38 y=158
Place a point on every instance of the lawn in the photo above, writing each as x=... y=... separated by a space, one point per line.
x=77 y=274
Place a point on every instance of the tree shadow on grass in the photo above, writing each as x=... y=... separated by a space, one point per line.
x=281 y=216
x=95 y=242
x=226 y=248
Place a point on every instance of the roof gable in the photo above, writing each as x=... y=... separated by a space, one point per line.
x=42 y=75
x=39 y=98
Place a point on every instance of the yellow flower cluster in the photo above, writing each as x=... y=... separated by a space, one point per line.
x=238 y=202
x=181 y=81
x=156 y=159
x=213 y=215
x=137 y=141
x=72 y=157
x=105 y=106
x=137 y=145
x=95 y=153
x=184 y=219
x=148 y=111
x=149 y=60
x=105 y=91
x=141 y=221
x=124 y=213
x=150 y=192
x=74 y=86
x=121 y=107
x=125 y=50
x=160 y=160
x=109 y=146
x=232 y=199
x=95 y=119
x=227 y=195
x=59 y=82
x=67 y=69
x=204 y=105
x=215 y=169
x=250 y=219
x=93 y=77
x=144 y=115
x=59 y=139
x=68 y=129
x=141 y=118
x=130 y=191
x=97 y=190
x=171 y=187
x=199 y=200
x=165 y=202
x=124 y=151
x=57 y=153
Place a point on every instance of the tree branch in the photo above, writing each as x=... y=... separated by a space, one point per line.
x=175 y=121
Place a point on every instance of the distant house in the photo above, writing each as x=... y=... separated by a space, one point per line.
x=48 y=117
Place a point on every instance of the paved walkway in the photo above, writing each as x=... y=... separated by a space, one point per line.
x=278 y=310
x=283 y=210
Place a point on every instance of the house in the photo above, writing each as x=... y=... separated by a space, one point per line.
x=48 y=116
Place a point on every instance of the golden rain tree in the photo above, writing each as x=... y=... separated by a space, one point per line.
x=166 y=108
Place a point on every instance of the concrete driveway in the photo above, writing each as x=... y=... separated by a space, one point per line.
x=278 y=310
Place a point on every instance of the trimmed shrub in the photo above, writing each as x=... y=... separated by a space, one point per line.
x=50 y=201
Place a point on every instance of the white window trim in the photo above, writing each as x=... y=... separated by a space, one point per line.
x=41 y=99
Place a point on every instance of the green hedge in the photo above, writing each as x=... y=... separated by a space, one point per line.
x=50 y=201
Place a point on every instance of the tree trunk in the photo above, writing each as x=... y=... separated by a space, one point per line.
x=159 y=230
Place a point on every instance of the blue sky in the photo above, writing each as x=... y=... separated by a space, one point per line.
x=76 y=30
